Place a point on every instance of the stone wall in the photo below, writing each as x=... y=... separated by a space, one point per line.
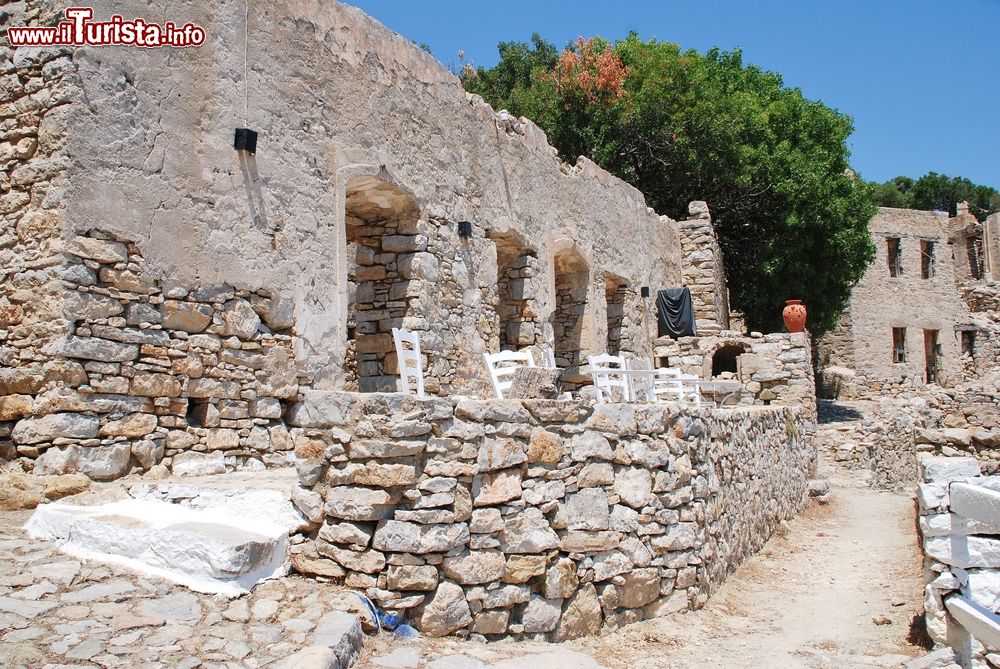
x=192 y=376
x=539 y=518
x=773 y=369
x=704 y=273
x=960 y=555
x=145 y=139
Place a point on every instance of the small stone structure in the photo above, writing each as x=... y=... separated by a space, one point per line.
x=539 y=518
x=773 y=369
x=704 y=273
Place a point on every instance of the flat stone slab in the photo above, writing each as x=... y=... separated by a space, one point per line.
x=205 y=550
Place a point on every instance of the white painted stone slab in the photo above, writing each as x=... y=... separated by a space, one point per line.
x=981 y=623
x=265 y=503
x=205 y=550
x=977 y=503
x=964 y=552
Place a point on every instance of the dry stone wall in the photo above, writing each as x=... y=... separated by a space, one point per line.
x=773 y=369
x=704 y=273
x=150 y=371
x=538 y=518
x=961 y=555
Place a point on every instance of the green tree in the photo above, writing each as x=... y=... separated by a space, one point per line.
x=790 y=214
x=940 y=192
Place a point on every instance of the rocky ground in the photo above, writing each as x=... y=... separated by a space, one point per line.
x=840 y=587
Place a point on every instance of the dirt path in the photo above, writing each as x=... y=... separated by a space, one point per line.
x=808 y=600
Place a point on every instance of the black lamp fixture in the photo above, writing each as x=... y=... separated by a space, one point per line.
x=245 y=140
x=644 y=291
x=465 y=229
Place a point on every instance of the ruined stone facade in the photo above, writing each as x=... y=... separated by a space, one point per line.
x=539 y=519
x=344 y=224
x=704 y=272
x=910 y=320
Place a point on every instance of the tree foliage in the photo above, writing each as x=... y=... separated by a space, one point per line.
x=938 y=192
x=679 y=125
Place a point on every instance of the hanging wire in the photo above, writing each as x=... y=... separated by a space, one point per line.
x=246 y=60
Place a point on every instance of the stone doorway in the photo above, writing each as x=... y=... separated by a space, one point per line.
x=616 y=293
x=381 y=223
x=572 y=285
x=517 y=269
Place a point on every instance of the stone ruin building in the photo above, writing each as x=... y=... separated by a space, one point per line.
x=926 y=310
x=170 y=303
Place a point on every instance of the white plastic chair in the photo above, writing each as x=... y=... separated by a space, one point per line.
x=667 y=385
x=502 y=366
x=690 y=385
x=641 y=386
x=408 y=360
x=606 y=372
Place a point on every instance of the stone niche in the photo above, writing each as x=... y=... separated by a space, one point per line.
x=538 y=519
x=382 y=244
x=572 y=329
x=518 y=271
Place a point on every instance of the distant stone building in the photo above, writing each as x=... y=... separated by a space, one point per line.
x=909 y=321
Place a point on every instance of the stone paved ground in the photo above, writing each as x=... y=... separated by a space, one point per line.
x=56 y=610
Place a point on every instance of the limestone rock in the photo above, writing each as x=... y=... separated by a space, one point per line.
x=522 y=568
x=634 y=486
x=544 y=447
x=561 y=580
x=239 y=319
x=470 y=568
x=147 y=452
x=198 y=464
x=54 y=426
x=132 y=425
x=352 y=503
x=186 y=316
x=528 y=532
x=412 y=577
x=13 y=407
x=587 y=510
x=640 y=587
x=105 y=463
x=500 y=454
x=402 y=537
x=447 y=611
x=582 y=617
x=541 y=615
x=591 y=446
x=496 y=487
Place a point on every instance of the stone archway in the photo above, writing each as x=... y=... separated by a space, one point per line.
x=380 y=222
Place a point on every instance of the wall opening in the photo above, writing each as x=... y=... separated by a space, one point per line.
x=894 y=254
x=616 y=293
x=517 y=266
x=932 y=354
x=969 y=343
x=899 y=344
x=977 y=259
x=725 y=359
x=572 y=284
x=926 y=259
x=381 y=236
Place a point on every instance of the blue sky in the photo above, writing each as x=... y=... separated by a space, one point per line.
x=921 y=78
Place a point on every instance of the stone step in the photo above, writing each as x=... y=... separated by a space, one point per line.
x=205 y=550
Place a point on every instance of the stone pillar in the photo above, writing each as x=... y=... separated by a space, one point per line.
x=991 y=247
x=703 y=271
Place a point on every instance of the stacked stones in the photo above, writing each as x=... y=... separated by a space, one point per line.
x=381 y=297
x=538 y=518
x=153 y=370
x=776 y=368
x=704 y=274
x=960 y=554
x=572 y=288
x=517 y=311
x=35 y=85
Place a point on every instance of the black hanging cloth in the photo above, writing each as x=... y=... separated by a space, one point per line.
x=675 y=313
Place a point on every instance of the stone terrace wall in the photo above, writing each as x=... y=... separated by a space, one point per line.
x=775 y=368
x=150 y=370
x=704 y=273
x=960 y=555
x=538 y=518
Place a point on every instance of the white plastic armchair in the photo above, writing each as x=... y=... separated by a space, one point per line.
x=408 y=361
x=502 y=365
x=606 y=370
x=641 y=384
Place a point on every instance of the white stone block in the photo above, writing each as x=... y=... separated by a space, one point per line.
x=207 y=551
